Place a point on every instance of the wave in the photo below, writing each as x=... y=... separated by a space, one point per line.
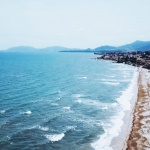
x=124 y=68
x=111 y=83
x=28 y=112
x=105 y=80
x=110 y=80
x=111 y=128
x=71 y=127
x=55 y=137
x=95 y=103
x=66 y=107
x=39 y=127
x=5 y=110
x=79 y=100
x=54 y=104
x=77 y=95
x=104 y=108
x=43 y=128
x=2 y=111
x=81 y=77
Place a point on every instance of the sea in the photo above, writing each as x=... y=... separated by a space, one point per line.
x=62 y=101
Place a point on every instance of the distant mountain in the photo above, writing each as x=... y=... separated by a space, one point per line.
x=104 y=48
x=144 y=48
x=32 y=49
x=88 y=50
x=54 y=48
x=137 y=45
x=22 y=49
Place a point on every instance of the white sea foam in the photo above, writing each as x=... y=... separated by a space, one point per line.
x=122 y=68
x=79 y=100
x=33 y=127
x=112 y=83
x=84 y=77
x=2 y=111
x=28 y=112
x=104 y=108
x=77 y=95
x=112 y=128
x=109 y=80
x=95 y=103
x=39 y=127
x=54 y=104
x=127 y=95
x=43 y=128
x=71 y=127
x=55 y=137
x=66 y=107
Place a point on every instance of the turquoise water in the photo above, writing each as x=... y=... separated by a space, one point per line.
x=60 y=101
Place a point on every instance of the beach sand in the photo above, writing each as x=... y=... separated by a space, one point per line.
x=135 y=131
x=139 y=138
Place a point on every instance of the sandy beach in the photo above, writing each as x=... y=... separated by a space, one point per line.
x=135 y=131
x=139 y=138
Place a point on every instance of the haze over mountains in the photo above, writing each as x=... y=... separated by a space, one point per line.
x=135 y=46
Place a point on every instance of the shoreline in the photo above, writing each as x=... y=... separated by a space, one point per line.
x=119 y=142
x=135 y=132
x=119 y=133
x=139 y=137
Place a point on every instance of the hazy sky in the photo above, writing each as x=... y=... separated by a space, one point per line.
x=73 y=23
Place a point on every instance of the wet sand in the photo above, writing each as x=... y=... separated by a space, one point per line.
x=139 y=138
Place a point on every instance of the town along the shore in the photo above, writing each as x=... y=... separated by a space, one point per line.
x=138 y=58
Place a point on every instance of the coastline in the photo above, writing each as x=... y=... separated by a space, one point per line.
x=135 y=132
x=119 y=142
x=117 y=135
x=139 y=137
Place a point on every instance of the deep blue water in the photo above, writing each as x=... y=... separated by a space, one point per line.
x=58 y=101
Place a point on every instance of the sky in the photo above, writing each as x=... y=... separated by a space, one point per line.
x=73 y=23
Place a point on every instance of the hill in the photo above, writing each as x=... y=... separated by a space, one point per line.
x=21 y=49
x=135 y=46
x=104 y=48
x=26 y=49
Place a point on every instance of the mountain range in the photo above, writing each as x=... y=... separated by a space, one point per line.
x=135 y=46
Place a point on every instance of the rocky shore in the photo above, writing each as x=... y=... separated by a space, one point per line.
x=132 y=58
